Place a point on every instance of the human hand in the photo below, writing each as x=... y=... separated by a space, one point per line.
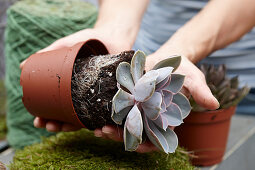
x=53 y=125
x=194 y=83
x=114 y=42
x=116 y=133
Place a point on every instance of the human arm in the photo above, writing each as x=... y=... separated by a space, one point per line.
x=193 y=41
x=117 y=26
x=218 y=24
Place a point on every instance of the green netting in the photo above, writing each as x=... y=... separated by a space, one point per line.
x=31 y=26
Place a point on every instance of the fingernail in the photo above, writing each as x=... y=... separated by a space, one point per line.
x=99 y=135
x=106 y=130
x=217 y=102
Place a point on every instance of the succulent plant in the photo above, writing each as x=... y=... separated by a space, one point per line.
x=150 y=101
x=225 y=89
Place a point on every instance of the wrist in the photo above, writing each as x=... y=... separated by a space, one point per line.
x=121 y=18
x=186 y=42
x=118 y=31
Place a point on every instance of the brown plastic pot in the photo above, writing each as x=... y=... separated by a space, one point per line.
x=46 y=81
x=205 y=134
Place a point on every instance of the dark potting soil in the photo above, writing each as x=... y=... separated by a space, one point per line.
x=93 y=87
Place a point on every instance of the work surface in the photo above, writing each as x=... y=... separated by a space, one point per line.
x=240 y=152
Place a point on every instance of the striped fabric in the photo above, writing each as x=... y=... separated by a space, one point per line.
x=164 y=17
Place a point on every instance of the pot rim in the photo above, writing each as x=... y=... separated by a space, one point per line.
x=212 y=116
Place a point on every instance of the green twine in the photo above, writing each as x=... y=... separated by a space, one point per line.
x=31 y=26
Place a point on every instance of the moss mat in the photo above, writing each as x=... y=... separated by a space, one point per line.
x=81 y=150
x=3 y=128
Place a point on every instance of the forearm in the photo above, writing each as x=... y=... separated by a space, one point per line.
x=121 y=17
x=220 y=23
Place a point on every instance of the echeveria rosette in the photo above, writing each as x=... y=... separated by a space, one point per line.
x=151 y=101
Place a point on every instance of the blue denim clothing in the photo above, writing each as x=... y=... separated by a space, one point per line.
x=164 y=17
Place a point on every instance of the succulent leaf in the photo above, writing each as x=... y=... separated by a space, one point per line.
x=145 y=86
x=163 y=83
x=152 y=106
x=241 y=94
x=167 y=97
x=163 y=107
x=173 y=115
x=234 y=82
x=155 y=135
x=226 y=90
x=171 y=138
x=118 y=117
x=124 y=76
x=161 y=122
x=183 y=103
x=131 y=142
x=224 y=97
x=137 y=65
x=172 y=61
x=146 y=100
x=164 y=73
x=122 y=100
x=176 y=83
x=134 y=123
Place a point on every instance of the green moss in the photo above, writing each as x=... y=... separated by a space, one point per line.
x=81 y=150
x=3 y=128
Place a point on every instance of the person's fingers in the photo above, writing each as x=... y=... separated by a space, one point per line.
x=70 y=40
x=201 y=92
x=186 y=92
x=67 y=127
x=22 y=64
x=146 y=147
x=40 y=122
x=54 y=46
x=98 y=132
x=113 y=132
x=53 y=126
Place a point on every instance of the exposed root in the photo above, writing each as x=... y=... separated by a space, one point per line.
x=94 y=85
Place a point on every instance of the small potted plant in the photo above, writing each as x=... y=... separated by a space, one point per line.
x=205 y=132
x=86 y=86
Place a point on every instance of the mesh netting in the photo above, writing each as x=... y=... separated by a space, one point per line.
x=31 y=26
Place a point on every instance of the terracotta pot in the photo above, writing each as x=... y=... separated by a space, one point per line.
x=46 y=81
x=206 y=134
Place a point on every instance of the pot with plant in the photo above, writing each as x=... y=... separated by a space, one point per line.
x=88 y=87
x=205 y=132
